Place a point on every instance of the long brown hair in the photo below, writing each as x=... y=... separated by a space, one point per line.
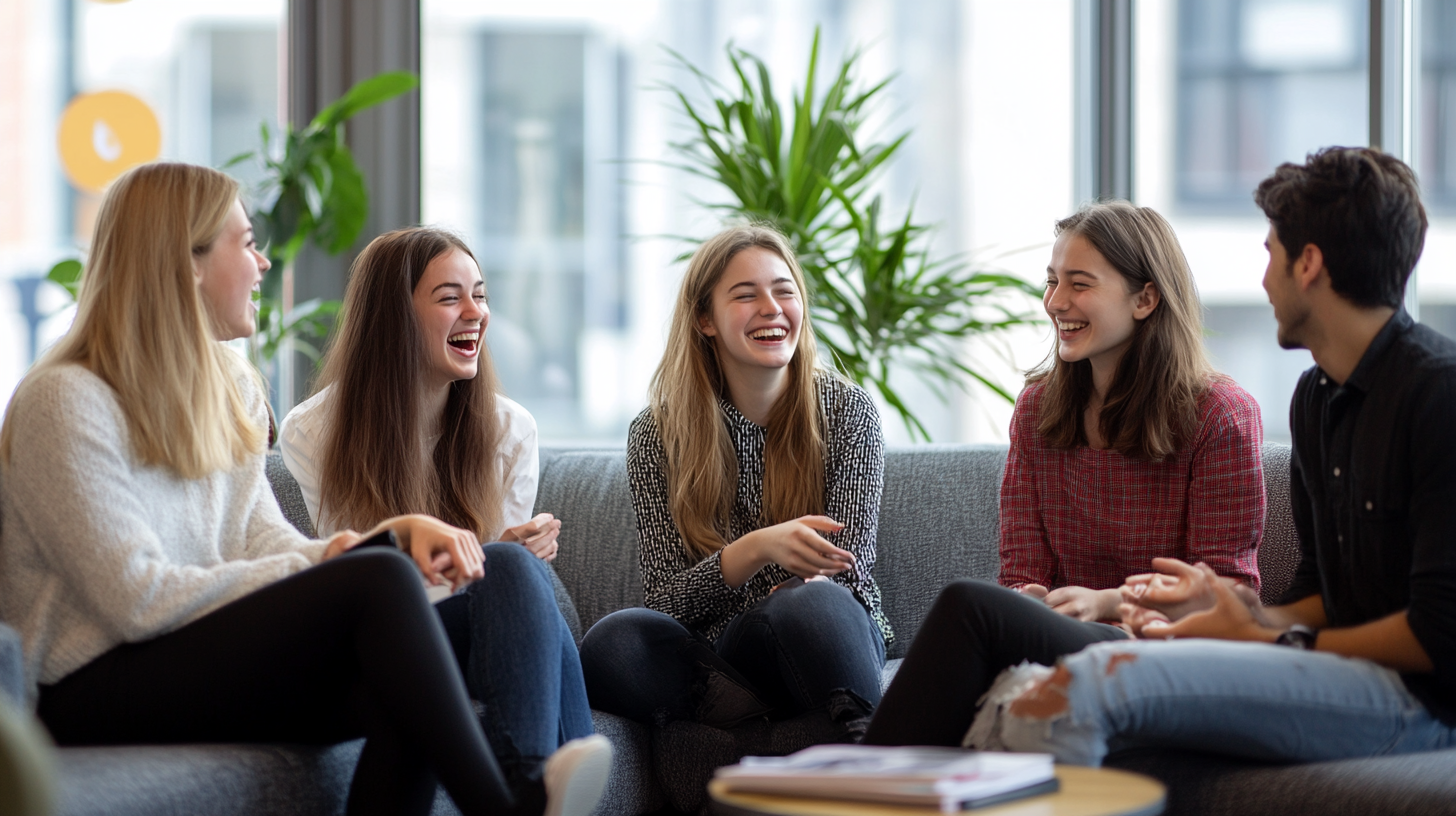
x=1150 y=409
x=372 y=467
x=142 y=326
x=702 y=469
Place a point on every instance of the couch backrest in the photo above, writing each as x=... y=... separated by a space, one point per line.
x=938 y=522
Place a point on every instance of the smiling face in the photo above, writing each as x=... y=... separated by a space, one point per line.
x=228 y=274
x=1090 y=304
x=450 y=303
x=756 y=312
x=1290 y=311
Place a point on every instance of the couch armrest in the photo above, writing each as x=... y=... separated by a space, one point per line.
x=12 y=666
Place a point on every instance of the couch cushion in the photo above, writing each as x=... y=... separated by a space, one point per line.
x=12 y=666
x=632 y=787
x=213 y=779
x=597 y=560
x=938 y=522
x=288 y=494
x=1279 y=549
x=1420 y=784
x=285 y=779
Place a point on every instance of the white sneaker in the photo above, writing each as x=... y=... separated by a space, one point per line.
x=576 y=776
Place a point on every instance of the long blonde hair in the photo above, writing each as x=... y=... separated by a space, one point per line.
x=142 y=327
x=372 y=467
x=1150 y=410
x=702 y=469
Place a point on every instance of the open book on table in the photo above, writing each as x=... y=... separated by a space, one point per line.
x=948 y=778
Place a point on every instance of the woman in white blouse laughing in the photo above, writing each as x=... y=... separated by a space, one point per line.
x=408 y=420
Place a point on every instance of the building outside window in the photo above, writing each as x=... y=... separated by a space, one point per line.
x=1226 y=90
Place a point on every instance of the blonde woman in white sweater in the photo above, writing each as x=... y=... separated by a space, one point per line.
x=160 y=594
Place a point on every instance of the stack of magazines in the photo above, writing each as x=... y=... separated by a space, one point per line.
x=950 y=779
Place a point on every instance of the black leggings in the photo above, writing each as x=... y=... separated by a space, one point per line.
x=345 y=649
x=974 y=631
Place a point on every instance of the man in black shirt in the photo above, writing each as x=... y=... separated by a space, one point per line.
x=1360 y=657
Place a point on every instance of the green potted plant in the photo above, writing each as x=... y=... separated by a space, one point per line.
x=311 y=190
x=880 y=299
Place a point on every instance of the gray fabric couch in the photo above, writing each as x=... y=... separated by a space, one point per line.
x=937 y=523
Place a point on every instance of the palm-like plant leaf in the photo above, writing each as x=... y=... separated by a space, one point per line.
x=312 y=190
x=880 y=302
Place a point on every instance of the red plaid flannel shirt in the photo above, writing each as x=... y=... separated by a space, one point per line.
x=1090 y=518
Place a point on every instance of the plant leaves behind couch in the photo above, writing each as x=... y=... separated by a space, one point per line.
x=879 y=300
x=312 y=190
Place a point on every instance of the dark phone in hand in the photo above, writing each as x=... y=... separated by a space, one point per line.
x=384 y=539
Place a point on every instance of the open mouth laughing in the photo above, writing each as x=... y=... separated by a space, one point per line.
x=770 y=335
x=465 y=343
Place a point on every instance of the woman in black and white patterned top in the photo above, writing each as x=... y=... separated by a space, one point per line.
x=756 y=480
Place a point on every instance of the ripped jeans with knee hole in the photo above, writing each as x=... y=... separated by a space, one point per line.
x=1252 y=700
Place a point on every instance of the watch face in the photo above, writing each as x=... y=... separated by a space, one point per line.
x=1300 y=637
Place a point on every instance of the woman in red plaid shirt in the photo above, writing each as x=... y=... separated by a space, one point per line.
x=1125 y=446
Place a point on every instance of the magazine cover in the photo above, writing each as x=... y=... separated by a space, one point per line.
x=948 y=778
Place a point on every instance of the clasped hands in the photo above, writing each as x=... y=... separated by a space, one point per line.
x=444 y=554
x=1184 y=600
x=537 y=535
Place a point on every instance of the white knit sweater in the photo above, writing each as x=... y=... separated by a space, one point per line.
x=97 y=549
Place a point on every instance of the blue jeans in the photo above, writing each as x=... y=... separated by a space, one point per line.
x=790 y=650
x=518 y=658
x=1252 y=700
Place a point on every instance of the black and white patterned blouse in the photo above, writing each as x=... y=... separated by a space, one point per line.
x=693 y=591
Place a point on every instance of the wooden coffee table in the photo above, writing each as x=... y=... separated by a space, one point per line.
x=1084 y=792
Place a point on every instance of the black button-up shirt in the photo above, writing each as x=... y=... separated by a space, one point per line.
x=1373 y=491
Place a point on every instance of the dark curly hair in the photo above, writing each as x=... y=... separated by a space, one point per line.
x=1361 y=207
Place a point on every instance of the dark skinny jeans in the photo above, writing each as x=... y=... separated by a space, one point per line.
x=348 y=648
x=974 y=630
x=791 y=649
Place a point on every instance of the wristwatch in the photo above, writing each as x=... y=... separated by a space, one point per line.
x=1298 y=636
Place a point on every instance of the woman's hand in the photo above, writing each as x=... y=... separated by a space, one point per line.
x=1135 y=618
x=340 y=543
x=1084 y=604
x=794 y=545
x=1229 y=617
x=537 y=535
x=797 y=547
x=444 y=554
x=1036 y=591
x=1176 y=589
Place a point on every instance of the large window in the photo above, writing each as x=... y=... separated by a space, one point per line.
x=1260 y=82
x=205 y=70
x=545 y=130
x=1435 y=160
x=1229 y=89
x=1436 y=109
x=522 y=155
x=1226 y=90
